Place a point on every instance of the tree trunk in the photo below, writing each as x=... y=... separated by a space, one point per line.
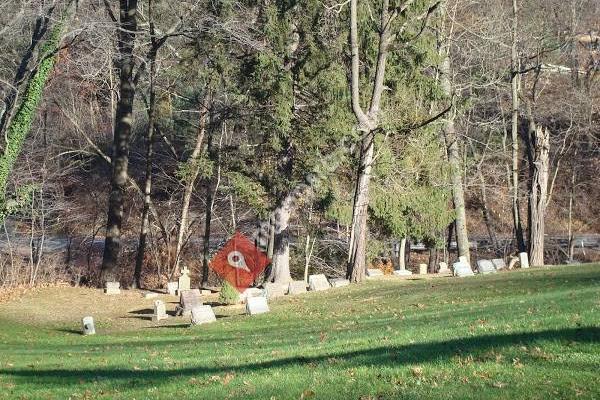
x=402 y=254
x=540 y=143
x=515 y=83
x=280 y=271
x=571 y=203
x=358 y=235
x=191 y=180
x=487 y=217
x=124 y=119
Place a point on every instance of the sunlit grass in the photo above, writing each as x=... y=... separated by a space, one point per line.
x=526 y=334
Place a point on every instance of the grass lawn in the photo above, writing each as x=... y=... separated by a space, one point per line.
x=531 y=334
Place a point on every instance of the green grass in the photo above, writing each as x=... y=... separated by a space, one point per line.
x=528 y=334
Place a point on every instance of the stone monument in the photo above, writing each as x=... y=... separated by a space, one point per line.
x=160 y=311
x=184 y=280
x=188 y=299
x=172 y=288
x=339 y=282
x=318 y=282
x=486 y=267
x=524 y=260
x=462 y=269
x=422 y=269
x=112 y=288
x=257 y=305
x=499 y=263
x=87 y=326
x=203 y=315
x=297 y=287
x=372 y=272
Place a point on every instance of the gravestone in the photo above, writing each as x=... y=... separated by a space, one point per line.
x=339 y=282
x=203 y=315
x=257 y=305
x=151 y=295
x=402 y=272
x=372 y=272
x=318 y=282
x=112 y=288
x=443 y=268
x=172 y=288
x=87 y=326
x=485 y=267
x=297 y=287
x=462 y=269
x=499 y=263
x=184 y=280
x=463 y=259
x=160 y=311
x=524 y=260
x=188 y=299
x=274 y=290
x=251 y=292
x=422 y=269
x=205 y=292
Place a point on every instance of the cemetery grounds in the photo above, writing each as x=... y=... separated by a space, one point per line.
x=526 y=334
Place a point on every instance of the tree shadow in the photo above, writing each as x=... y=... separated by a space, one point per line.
x=383 y=356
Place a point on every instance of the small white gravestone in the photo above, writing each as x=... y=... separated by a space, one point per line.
x=184 y=280
x=372 y=272
x=485 y=267
x=256 y=305
x=499 y=263
x=524 y=260
x=203 y=315
x=251 y=292
x=463 y=259
x=160 y=311
x=275 y=289
x=339 y=282
x=87 y=326
x=443 y=268
x=318 y=282
x=402 y=272
x=112 y=288
x=422 y=269
x=297 y=287
x=462 y=269
x=205 y=292
x=172 y=288
x=151 y=295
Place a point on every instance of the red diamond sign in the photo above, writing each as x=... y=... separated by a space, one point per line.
x=239 y=262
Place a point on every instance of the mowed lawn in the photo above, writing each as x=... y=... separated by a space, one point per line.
x=532 y=334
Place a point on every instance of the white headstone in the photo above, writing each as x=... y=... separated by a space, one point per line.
x=443 y=268
x=339 y=282
x=485 y=267
x=463 y=259
x=160 y=311
x=87 y=326
x=172 y=288
x=297 y=287
x=112 y=288
x=151 y=295
x=275 y=289
x=256 y=305
x=402 y=272
x=422 y=269
x=524 y=260
x=499 y=263
x=318 y=282
x=184 y=280
x=462 y=269
x=203 y=315
x=251 y=292
x=372 y=272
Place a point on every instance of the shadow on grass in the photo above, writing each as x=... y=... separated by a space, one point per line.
x=380 y=356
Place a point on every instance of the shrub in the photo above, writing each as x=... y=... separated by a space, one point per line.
x=229 y=294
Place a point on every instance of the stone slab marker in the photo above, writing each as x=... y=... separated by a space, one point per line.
x=172 y=288
x=443 y=268
x=275 y=289
x=402 y=272
x=462 y=269
x=297 y=287
x=160 y=311
x=257 y=305
x=422 y=269
x=318 y=282
x=188 y=299
x=524 y=260
x=251 y=292
x=203 y=315
x=372 y=272
x=112 y=288
x=499 y=263
x=486 y=267
x=339 y=282
x=87 y=326
x=184 y=280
